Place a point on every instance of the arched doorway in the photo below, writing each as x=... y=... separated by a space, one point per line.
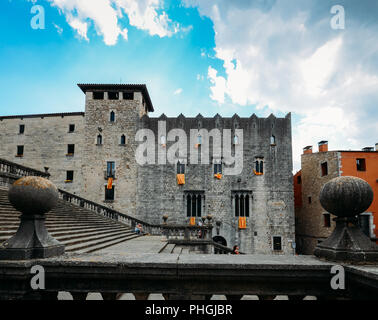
x=220 y=240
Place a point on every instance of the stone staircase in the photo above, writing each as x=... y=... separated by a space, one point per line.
x=81 y=230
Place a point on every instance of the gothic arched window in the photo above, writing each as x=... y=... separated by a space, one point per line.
x=112 y=116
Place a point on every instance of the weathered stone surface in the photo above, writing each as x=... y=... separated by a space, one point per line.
x=150 y=191
x=346 y=196
x=33 y=195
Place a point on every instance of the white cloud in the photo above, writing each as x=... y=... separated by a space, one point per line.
x=107 y=15
x=178 y=91
x=282 y=56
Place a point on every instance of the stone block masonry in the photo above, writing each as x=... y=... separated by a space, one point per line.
x=150 y=191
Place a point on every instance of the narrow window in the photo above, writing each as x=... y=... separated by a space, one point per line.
x=188 y=205
x=277 y=243
x=112 y=116
x=180 y=168
x=71 y=128
x=20 y=151
x=69 y=176
x=99 y=139
x=236 y=140
x=110 y=169
x=237 y=206
x=123 y=139
x=128 y=96
x=324 y=169
x=259 y=166
x=98 y=95
x=327 y=220
x=109 y=194
x=70 y=149
x=246 y=200
x=194 y=205
x=361 y=164
x=22 y=129
x=241 y=205
x=199 y=139
x=309 y=200
x=299 y=180
x=273 y=140
x=217 y=168
x=113 y=95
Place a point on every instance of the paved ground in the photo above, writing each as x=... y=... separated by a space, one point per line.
x=146 y=244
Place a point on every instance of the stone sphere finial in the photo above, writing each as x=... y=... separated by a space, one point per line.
x=33 y=195
x=346 y=196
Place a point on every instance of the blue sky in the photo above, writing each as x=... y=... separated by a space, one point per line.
x=208 y=56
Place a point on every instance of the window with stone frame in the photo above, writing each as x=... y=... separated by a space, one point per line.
x=71 y=128
x=241 y=203
x=20 y=151
x=70 y=149
x=218 y=166
x=99 y=139
x=277 y=243
x=195 y=203
x=123 y=139
x=22 y=129
x=110 y=169
x=109 y=193
x=113 y=95
x=327 y=220
x=69 y=176
x=180 y=167
x=259 y=165
x=324 y=167
x=112 y=116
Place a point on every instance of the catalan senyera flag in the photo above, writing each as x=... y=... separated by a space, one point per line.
x=242 y=222
x=180 y=179
x=257 y=173
x=192 y=221
x=218 y=176
x=110 y=183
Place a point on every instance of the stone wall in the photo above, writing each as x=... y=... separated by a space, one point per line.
x=149 y=191
x=45 y=142
x=310 y=220
x=271 y=213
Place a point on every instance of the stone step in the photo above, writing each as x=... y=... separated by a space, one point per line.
x=80 y=229
x=86 y=240
x=87 y=235
x=97 y=243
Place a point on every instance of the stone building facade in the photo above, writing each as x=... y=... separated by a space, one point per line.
x=104 y=139
x=313 y=224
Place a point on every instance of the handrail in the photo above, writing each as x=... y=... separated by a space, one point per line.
x=20 y=170
x=108 y=212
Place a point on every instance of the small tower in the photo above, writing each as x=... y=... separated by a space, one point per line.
x=112 y=112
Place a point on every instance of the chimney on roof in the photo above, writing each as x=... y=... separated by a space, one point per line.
x=368 y=149
x=323 y=146
x=307 y=150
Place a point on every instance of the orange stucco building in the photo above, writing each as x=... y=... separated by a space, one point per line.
x=313 y=223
